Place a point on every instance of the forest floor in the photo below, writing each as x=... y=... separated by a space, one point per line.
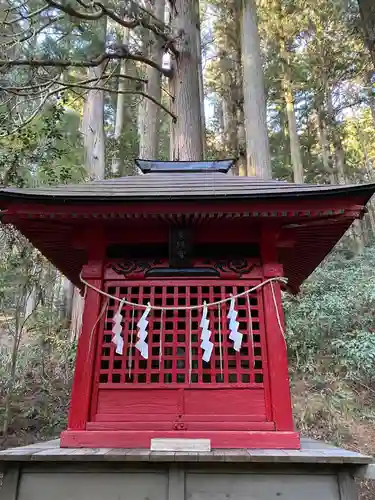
x=325 y=408
x=337 y=412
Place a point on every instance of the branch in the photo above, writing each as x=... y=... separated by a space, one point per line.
x=16 y=90
x=75 y=13
x=41 y=87
x=126 y=92
x=31 y=32
x=20 y=91
x=102 y=10
x=168 y=93
x=64 y=85
x=117 y=75
x=30 y=118
x=29 y=16
x=66 y=63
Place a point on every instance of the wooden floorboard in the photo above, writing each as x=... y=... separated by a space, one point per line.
x=311 y=452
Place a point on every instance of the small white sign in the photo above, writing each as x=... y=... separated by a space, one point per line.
x=170 y=444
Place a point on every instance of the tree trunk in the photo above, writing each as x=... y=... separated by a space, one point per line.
x=372 y=108
x=336 y=139
x=68 y=293
x=295 y=148
x=30 y=302
x=118 y=160
x=371 y=95
x=11 y=381
x=355 y=230
x=287 y=85
x=149 y=125
x=324 y=145
x=242 y=167
x=241 y=137
x=229 y=106
x=201 y=87
x=17 y=334
x=93 y=127
x=370 y=176
x=187 y=133
x=257 y=146
x=367 y=10
x=93 y=118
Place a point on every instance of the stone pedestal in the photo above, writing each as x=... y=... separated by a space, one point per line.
x=45 y=471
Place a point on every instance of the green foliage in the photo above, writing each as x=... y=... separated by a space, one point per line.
x=334 y=316
x=41 y=390
x=47 y=151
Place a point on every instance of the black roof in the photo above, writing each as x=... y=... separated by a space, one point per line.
x=200 y=186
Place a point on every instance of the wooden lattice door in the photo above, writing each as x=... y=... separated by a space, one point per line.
x=174 y=388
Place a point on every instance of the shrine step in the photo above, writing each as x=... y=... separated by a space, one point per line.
x=142 y=439
x=174 y=425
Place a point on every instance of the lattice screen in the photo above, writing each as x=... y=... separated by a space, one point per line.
x=172 y=358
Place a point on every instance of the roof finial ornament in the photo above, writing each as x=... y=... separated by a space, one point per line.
x=162 y=167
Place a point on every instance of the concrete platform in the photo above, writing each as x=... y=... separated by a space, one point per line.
x=44 y=471
x=311 y=452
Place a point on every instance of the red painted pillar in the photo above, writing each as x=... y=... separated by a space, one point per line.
x=87 y=343
x=276 y=346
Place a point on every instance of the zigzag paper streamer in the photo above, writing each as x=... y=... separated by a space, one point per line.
x=206 y=345
x=234 y=335
x=142 y=333
x=117 y=330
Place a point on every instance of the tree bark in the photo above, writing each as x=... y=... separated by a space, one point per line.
x=68 y=293
x=324 y=145
x=229 y=105
x=12 y=376
x=118 y=160
x=241 y=137
x=201 y=87
x=17 y=337
x=336 y=139
x=187 y=133
x=93 y=127
x=287 y=86
x=356 y=229
x=367 y=11
x=371 y=95
x=149 y=126
x=93 y=118
x=370 y=176
x=372 y=108
x=295 y=148
x=257 y=146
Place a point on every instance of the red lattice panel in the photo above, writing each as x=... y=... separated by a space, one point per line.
x=174 y=359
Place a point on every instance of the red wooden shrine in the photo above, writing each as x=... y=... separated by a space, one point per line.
x=178 y=236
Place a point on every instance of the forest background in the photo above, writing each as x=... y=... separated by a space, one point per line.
x=285 y=86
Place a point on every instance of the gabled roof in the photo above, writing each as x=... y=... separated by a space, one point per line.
x=180 y=187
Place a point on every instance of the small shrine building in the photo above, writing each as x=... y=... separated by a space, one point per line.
x=182 y=270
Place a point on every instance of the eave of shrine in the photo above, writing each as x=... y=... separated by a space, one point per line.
x=186 y=212
x=306 y=232
x=68 y=223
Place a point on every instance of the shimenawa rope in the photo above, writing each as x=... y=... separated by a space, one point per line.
x=186 y=308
